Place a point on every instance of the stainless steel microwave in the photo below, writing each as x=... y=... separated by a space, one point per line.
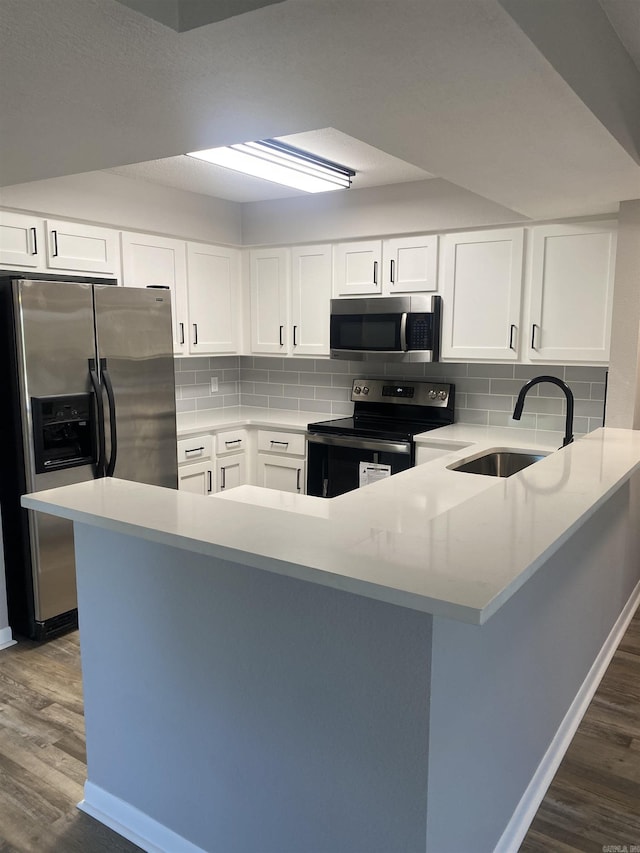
x=386 y=328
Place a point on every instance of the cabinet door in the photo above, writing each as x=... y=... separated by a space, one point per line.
x=21 y=241
x=410 y=264
x=311 y=278
x=82 y=248
x=481 y=293
x=197 y=479
x=572 y=272
x=231 y=471
x=147 y=261
x=269 y=300
x=357 y=267
x=213 y=294
x=279 y=472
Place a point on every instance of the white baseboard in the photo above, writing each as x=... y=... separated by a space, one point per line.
x=6 y=638
x=516 y=829
x=131 y=823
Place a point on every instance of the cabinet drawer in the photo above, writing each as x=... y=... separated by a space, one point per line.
x=231 y=441
x=281 y=442
x=194 y=449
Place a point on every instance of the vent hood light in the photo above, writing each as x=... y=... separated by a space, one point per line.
x=283 y=164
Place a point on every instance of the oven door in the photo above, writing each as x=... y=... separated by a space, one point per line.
x=338 y=464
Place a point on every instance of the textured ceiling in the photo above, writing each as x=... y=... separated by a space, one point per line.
x=182 y=15
x=624 y=16
x=529 y=103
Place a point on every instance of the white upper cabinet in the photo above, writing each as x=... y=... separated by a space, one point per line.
x=214 y=304
x=30 y=243
x=410 y=264
x=311 y=281
x=159 y=261
x=82 y=248
x=481 y=285
x=357 y=268
x=396 y=265
x=270 y=300
x=21 y=241
x=571 y=292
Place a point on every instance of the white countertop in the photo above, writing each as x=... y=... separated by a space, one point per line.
x=444 y=542
x=211 y=420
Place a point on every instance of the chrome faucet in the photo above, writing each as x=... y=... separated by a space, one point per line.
x=568 y=393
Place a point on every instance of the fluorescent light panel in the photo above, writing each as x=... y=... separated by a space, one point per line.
x=280 y=163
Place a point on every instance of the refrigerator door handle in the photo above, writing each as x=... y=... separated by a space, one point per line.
x=97 y=391
x=108 y=385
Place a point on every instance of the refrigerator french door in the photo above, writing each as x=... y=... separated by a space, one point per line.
x=90 y=392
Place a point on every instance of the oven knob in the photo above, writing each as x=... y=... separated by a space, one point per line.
x=365 y=390
x=442 y=394
x=433 y=394
x=357 y=389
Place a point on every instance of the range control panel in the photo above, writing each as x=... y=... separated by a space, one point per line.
x=401 y=391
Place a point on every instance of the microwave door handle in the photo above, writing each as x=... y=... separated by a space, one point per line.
x=403 y=332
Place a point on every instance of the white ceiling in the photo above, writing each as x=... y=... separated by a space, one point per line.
x=528 y=103
x=373 y=169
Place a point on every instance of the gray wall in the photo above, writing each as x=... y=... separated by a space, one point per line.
x=248 y=711
x=500 y=692
x=485 y=392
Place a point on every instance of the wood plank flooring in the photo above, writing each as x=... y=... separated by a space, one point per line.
x=594 y=799
x=593 y=802
x=42 y=753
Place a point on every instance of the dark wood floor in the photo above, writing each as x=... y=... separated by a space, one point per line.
x=593 y=802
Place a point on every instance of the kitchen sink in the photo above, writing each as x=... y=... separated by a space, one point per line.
x=498 y=462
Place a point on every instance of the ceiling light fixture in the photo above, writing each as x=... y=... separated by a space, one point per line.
x=283 y=164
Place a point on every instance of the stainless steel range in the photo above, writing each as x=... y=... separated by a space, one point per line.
x=346 y=453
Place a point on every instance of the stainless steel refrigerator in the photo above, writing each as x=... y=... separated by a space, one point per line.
x=88 y=391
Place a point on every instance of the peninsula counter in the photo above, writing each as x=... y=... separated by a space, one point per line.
x=399 y=668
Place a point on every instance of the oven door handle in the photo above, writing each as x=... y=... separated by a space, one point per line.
x=361 y=443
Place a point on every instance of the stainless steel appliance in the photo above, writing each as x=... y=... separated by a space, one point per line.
x=88 y=391
x=389 y=328
x=377 y=441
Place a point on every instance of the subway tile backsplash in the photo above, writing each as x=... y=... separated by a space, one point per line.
x=485 y=393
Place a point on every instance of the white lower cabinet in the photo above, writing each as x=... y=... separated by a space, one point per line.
x=197 y=478
x=281 y=472
x=280 y=462
x=231 y=463
x=231 y=471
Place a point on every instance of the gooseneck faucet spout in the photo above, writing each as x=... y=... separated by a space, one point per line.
x=568 y=393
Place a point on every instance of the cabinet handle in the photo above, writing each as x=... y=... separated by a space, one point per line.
x=533 y=336
x=392 y=272
x=295 y=329
x=195 y=333
x=281 y=333
x=375 y=272
x=298 y=472
x=285 y=443
x=513 y=329
x=181 y=332
x=234 y=441
x=34 y=241
x=194 y=450
x=224 y=478
x=210 y=489
x=54 y=235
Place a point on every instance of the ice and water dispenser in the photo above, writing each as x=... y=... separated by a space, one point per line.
x=63 y=431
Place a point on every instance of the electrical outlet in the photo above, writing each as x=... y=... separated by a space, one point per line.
x=214 y=384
